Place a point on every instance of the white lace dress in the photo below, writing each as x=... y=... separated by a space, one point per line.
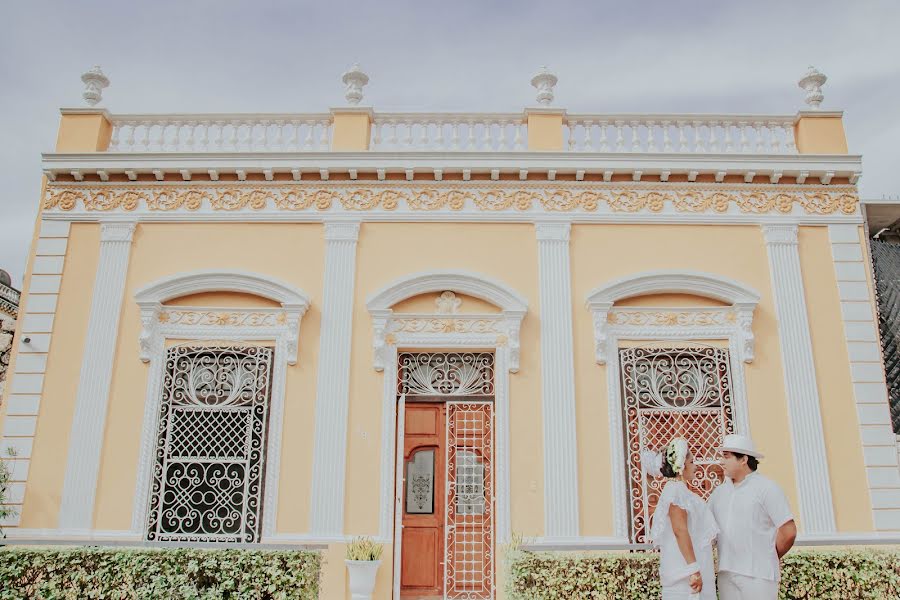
x=674 y=573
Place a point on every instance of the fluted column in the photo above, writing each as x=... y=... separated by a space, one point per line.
x=92 y=397
x=807 y=436
x=557 y=382
x=333 y=381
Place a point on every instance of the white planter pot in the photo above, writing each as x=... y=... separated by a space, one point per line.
x=362 y=578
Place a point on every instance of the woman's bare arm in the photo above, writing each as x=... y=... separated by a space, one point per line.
x=679 y=518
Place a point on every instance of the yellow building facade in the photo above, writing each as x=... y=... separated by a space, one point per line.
x=440 y=331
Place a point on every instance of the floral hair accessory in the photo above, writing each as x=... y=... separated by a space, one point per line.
x=676 y=453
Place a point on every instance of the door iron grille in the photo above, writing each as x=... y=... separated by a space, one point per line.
x=437 y=374
x=667 y=393
x=469 y=529
x=211 y=439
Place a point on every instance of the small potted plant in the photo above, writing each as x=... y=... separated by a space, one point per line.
x=363 y=559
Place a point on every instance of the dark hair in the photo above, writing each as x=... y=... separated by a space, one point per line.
x=667 y=470
x=752 y=461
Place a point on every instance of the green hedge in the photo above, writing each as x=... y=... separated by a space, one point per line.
x=166 y=573
x=832 y=574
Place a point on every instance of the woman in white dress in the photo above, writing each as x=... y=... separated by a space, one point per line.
x=683 y=527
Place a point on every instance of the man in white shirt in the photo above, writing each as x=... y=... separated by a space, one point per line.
x=755 y=522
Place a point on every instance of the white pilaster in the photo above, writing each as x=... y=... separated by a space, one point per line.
x=86 y=437
x=333 y=380
x=557 y=382
x=867 y=371
x=807 y=436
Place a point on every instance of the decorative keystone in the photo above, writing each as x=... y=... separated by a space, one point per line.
x=812 y=82
x=94 y=82
x=544 y=81
x=354 y=79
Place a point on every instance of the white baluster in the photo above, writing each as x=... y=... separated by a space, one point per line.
x=570 y=127
x=278 y=142
x=129 y=140
x=377 y=130
x=760 y=143
x=325 y=126
x=520 y=139
x=232 y=141
x=604 y=145
x=667 y=139
x=488 y=142
x=423 y=137
x=439 y=135
x=294 y=135
x=246 y=140
x=774 y=141
x=454 y=136
x=408 y=137
x=789 y=146
x=651 y=136
x=745 y=142
x=729 y=140
x=635 y=137
x=392 y=133
x=309 y=139
x=189 y=137
x=682 y=137
x=175 y=139
x=699 y=142
x=471 y=143
x=588 y=145
x=114 y=138
x=262 y=137
x=144 y=139
x=713 y=137
x=620 y=137
x=501 y=142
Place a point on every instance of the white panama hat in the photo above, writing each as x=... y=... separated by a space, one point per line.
x=741 y=444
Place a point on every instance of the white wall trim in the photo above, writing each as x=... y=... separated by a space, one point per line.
x=732 y=323
x=97 y=361
x=800 y=380
x=284 y=332
x=558 y=381
x=52 y=244
x=478 y=285
x=881 y=451
x=333 y=380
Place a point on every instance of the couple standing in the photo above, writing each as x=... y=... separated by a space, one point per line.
x=747 y=516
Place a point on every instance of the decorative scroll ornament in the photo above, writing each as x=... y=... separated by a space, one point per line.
x=584 y=198
x=446 y=374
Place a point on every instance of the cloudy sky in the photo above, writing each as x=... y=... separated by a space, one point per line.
x=477 y=55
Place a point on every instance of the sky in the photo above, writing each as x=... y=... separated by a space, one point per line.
x=423 y=55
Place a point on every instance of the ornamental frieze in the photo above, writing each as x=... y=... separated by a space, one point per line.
x=475 y=197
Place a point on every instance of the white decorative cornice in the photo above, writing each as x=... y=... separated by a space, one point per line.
x=467 y=282
x=780 y=234
x=742 y=298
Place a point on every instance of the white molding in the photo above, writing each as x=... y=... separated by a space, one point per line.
x=709 y=285
x=92 y=396
x=558 y=381
x=881 y=450
x=738 y=331
x=507 y=323
x=150 y=297
x=800 y=380
x=333 y=380
x=284 y=334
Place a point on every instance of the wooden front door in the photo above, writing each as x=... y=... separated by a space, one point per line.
x=423 y=502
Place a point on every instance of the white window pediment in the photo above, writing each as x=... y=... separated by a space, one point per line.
x=203 y=322
x=445 y=325
x=734 y=321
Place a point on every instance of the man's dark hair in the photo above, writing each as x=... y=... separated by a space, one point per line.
x=752 y=461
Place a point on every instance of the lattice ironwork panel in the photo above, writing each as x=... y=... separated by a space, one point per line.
x=445 y=374
x=211 y=440
x=469 y=529
x=886 y=259
x=673 y=392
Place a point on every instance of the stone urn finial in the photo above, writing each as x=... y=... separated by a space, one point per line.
x=812 y=82
x=544 y=81
x=94 y=82
x=354 y=79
